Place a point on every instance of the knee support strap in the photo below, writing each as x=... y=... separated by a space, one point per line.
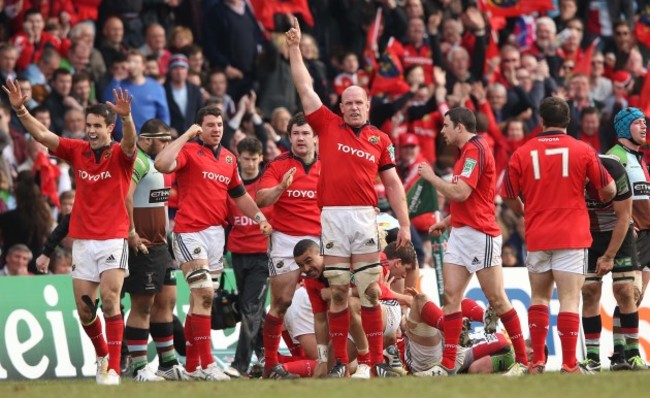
x=337 y=274
x=199 y=279
x=364 y=275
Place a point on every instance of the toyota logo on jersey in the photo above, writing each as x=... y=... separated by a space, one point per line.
x=208 y=175
x=104 y=175
x=356 y=152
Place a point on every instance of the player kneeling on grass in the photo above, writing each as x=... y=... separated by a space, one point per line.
x=308 y=258
x=487 y=353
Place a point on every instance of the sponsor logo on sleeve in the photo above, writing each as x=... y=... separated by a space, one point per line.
x=468 y=167
x=391 y=152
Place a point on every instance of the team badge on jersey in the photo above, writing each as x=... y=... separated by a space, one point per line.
x=228 y=159
x=108 y=154
x=373 y=139
x=197 y=250
x=468 y=167
x=391 y=151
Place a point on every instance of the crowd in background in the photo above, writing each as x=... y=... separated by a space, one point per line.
x=415 y=58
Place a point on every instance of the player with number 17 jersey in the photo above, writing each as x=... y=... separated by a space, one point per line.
x=546 y=173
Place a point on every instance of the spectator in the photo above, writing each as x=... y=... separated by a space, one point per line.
x=276 y=86
x=601 y=87
x=31 y=222
x=118 y=70
x=590 y=128
x=350 y=75
x=146 y=92
x=155 y=43
x=8 y=58
x=82 y=89
x=26 y=88
x=84 y=32
x=15 y=153
x=196 y=60
x=32 y=40
x=130 y=13
x=184 y=98
x=61 y=262
x=112 y=42
x=74 y=123
x=59 y=100
x=217 y=87
x=16 y=261
x=152 y=69
x=180 y=38
x=41 y=72
x=509 y=256
x=231 y=36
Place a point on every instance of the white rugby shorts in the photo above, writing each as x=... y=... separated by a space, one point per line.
x=281 y=252
x=203 y=245
x=299 y=319
x=472 y=249
x=348 y=230
x=568 y=260
x=92 y=257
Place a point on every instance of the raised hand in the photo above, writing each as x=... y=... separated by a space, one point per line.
x=437 y=229
x=16 y=97
x=293 y=34
x=123 y=100
x=287 y=179
x=425 y=171
x=193 y=131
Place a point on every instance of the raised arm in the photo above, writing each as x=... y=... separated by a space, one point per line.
x=122 y=107
x=268 y=196
x=301 y=77
x=166 y=159
x=35 y=128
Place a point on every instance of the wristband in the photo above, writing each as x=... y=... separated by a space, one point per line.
x=322 y=353
x=22 y=111
x=132 y=233
x=259 y=217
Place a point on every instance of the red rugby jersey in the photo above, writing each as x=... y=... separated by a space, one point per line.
x=102 y=180
x=476 y=167
x=205 y=179
x=245 y=236
x=350 y=162
x=296 y=212
x=549 y=172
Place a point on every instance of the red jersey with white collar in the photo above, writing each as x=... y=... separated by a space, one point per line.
x=205 y=179
x=350 y=160
x=245 y=236
x=296 y=212
x=549 y=172
x=102 y=180
x=477 y=168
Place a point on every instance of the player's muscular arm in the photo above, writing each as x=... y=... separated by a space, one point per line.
x=247 y=205
x=458 y=192
x=268 y=196
x=397 y=200
x=122 y=107
x=35 y=128
x=623 y=211
x=301 y=77
x=166 y=159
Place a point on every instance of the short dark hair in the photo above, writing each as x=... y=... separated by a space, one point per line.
x=104 y=111
x=405 y=253
x=81 y=76
x=153 y=126
x=590 y=110
x=32 y=11
x=302 y=246
x=250 y=145
x=41 y=109
x=555 y=112
x=298 y=119
x=205 y=111
x=463 y=116
x=191 y=49
x=60 y=72
x=67 y=195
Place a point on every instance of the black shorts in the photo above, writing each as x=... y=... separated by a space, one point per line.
x=643 y=248
x=625 y=259
x=148 y=273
